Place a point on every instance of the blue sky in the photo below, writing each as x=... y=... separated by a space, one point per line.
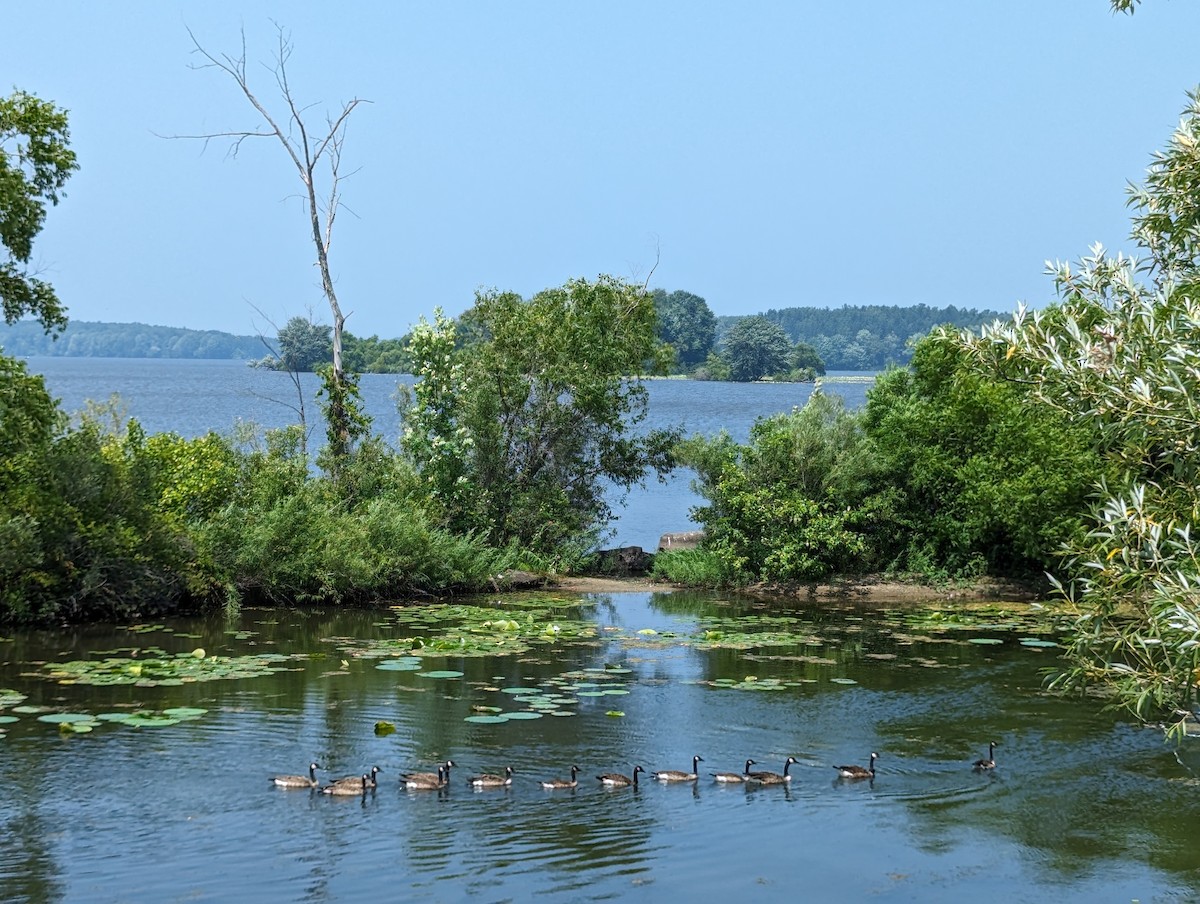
x=770 y=154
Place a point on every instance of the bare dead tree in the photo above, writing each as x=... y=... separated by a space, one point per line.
x=316 y=155
x=293 y=375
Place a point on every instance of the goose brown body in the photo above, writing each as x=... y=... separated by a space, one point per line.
x=348 y=789
x=617 y=780
x=426 y=781
x=298 y=781
x=674 y=775
x=489 y=780
x=733 y=777
x=857 y=772
x=772 y=778
x=561 y=784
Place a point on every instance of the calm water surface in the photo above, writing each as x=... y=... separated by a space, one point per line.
x=193 y=397
x=1082 y=807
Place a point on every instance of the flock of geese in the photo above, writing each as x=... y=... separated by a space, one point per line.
x=354 y=785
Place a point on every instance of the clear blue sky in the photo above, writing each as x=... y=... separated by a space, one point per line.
x=771 y=153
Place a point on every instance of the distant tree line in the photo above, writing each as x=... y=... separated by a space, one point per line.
x=125 y=340
x=865 y=337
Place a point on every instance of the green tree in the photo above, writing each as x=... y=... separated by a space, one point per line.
x=687 y=324
x=35 y=163
x=805 y=357
x=1123 y=355
x=520 y=434
x=983 y=480
x=794 y=503
x=756 y=348
x=303 y=345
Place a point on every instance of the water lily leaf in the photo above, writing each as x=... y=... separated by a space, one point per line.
x=399 y=665
x=524 y=714
x=383 y=729
x=615 y=713
x=29 y=708
x=1035 y=642
x=184 y=712
x=441 y=673
x=985 y=640
x=843 y=681
x=66 y=717
x=486 y=720
x=648 y=632
x=5 y=720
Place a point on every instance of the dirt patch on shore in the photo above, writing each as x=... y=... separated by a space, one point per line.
x=865 y=590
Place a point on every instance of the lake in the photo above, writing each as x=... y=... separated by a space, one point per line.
x=193 y=397
x=166 y=794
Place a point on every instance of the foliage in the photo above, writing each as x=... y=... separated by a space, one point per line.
x=376 y=356
x=755 y=348
x=287 y=536
x=35 y=164
x=85 y=536
x=793 y=505
x=304 y=345
x=865 y=337
x=521 y=435
x=687 y=324
x=1123 y=356
x=690 y=567
x=346 y=424
x=982 y=479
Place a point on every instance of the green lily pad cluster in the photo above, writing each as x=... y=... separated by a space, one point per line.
x=468 y=630
x=85 y=723
x=552 y=696
x=163 y=669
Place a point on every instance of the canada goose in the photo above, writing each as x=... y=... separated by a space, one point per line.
x=856 y=772
x=431 y=776
x=674 y=775
x=772 y=778
x=990 y=762
x=346 y=789
x=298 y=781
x=353 y=780
x=492 y=781
x=426 y=781
x=733 y=776
x=556 y=784
x=616 y=780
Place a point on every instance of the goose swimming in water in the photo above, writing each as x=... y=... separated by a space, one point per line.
x=347 y=789
x=561 y=784
x=488 y=780
x=616 y=780
x=733 y=777
x=298 y=781
x=857 y=772
x=425 y=781
x=674 y=775
x=772 y=778
x=989 y=763
x=431 y=776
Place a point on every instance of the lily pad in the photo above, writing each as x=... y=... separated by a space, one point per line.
x=441 y=673
x=524 y=714
x=615 y=713
x=383 y=729
x=55 y=718
x=486 y=720
x=985 y=640
x=1035 y=642
x=400 y=665
x=184 y=712
x=4 y=720
x=843 y=681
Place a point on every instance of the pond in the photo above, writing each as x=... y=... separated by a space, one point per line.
x=137 y=760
